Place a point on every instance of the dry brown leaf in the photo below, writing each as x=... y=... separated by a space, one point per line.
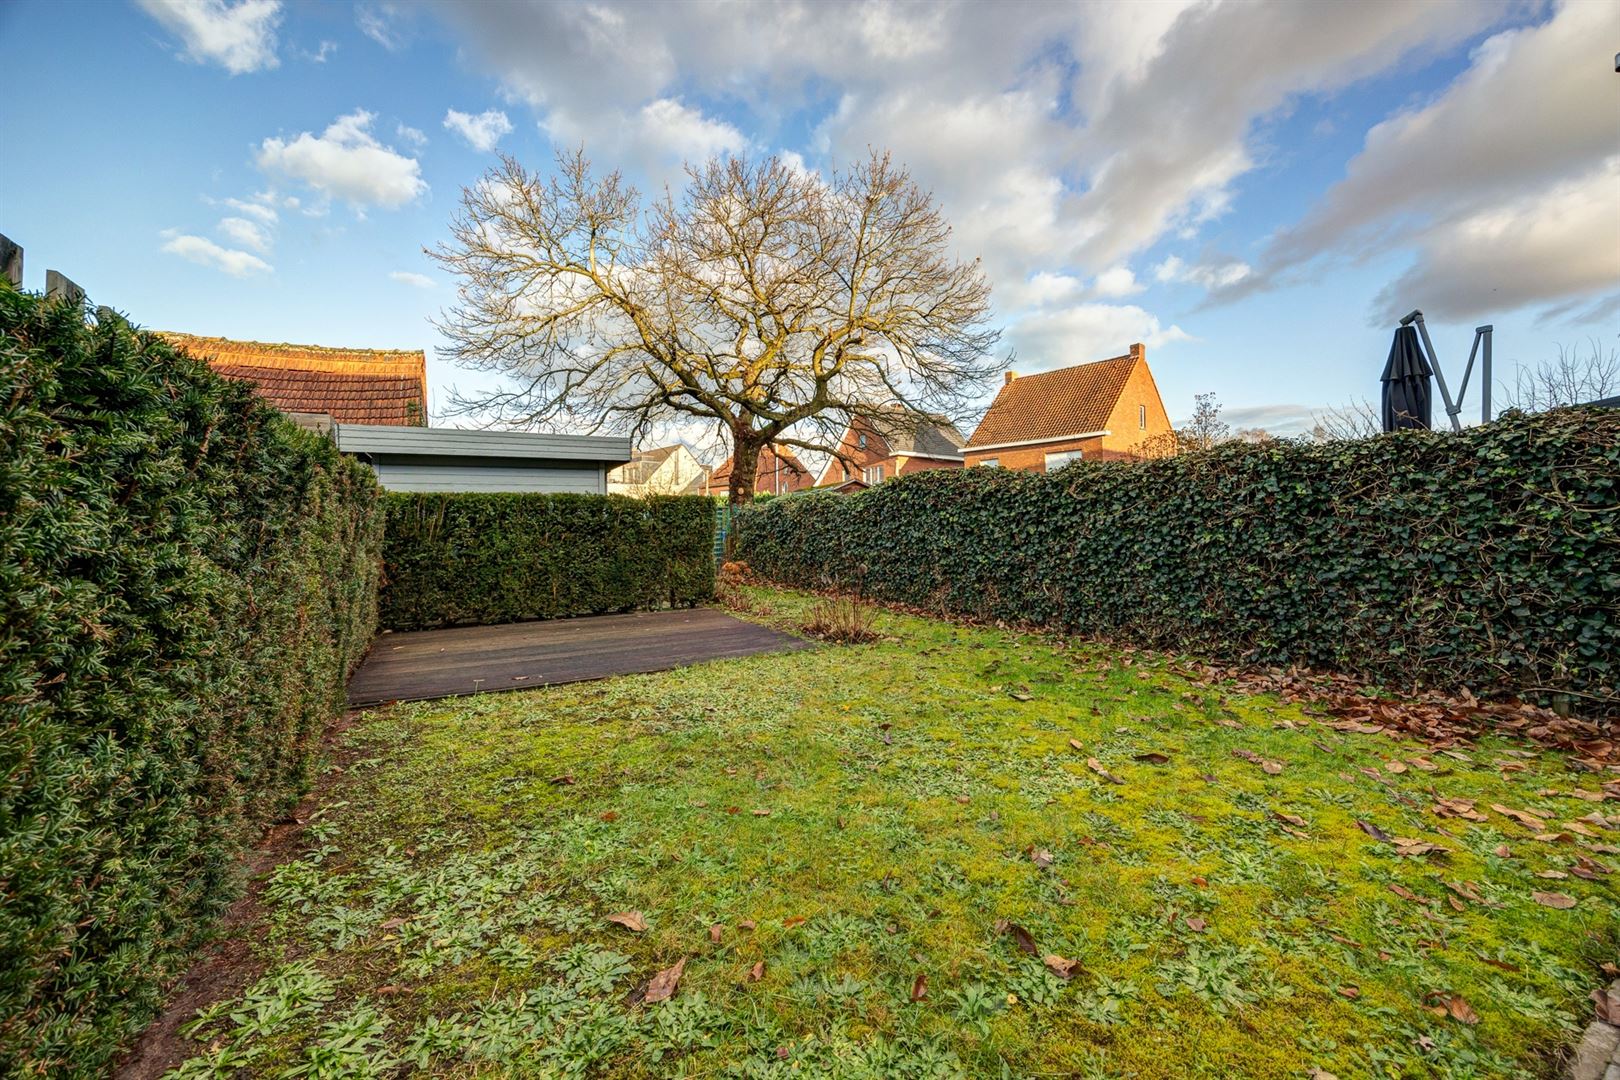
x=1077 y=744
x=792 y=920
x=393 y=924
x=1557 y=900
x=919 y=987
x=1271 y=768
x=1153 y=757
x=1291 y=819
x=1407 y=894
x=1502 y=851
x=762 y=812
x=716 y=932
x=1023 y=938
x=1372 y=830
x=747 y=924
x=1097 y=767
x=1350 y=991
x=1396 y=767
x=1196 y=925
x=1446 y=1003
x=1552 y=875
x=757 y=972
x=663 y=984
x=1060 y=966
x=1040 y=857
x=1523 y=817
x=564 y=780
x=630 y=920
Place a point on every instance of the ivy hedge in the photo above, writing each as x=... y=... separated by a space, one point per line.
x=496 y=558
x=1489 y=558
x=186 y=580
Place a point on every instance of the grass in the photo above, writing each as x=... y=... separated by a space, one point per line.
x=877 y=821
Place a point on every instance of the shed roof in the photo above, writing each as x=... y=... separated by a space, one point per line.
x=1056 y=404
x=354 y=386
x=917 y=434
x=393 y=440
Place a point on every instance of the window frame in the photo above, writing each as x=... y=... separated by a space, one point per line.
x=1065 y=457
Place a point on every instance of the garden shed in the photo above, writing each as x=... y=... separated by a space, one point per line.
x=462 y=459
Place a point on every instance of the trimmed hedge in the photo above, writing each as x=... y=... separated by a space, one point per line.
x=498 y=558
x=1489 y=558
x=186 y=580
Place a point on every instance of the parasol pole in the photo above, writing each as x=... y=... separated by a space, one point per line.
x=1452 y=409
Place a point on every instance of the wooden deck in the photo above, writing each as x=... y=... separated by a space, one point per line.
x=427 y=664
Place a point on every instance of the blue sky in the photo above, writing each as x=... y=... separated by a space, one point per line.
x=1251 y=189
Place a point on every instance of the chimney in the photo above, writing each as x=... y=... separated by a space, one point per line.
x=1138 y=351
x=1011 y=375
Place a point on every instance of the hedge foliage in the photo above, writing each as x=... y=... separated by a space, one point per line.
x=1489 y=558
x=497 y=558
x=186 y=579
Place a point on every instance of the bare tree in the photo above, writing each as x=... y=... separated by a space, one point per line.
x=769 y=302
x=1356 y=419
x=1572 y=379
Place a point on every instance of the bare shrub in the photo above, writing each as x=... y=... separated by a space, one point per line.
x=841 y=619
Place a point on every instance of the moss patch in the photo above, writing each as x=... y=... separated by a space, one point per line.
x=857 y=817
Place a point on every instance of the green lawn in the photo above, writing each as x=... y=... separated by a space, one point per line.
x=866 y=822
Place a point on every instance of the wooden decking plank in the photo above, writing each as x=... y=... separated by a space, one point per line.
x=426 y=664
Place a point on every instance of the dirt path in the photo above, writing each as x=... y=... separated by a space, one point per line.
x=229 y=965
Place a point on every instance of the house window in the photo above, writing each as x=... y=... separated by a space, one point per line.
x=989 y=463
x=1141 y=417
x=1061 y=458
x=860 y=440
x=874 y=474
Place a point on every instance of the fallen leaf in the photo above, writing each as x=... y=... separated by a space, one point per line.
x=1023 y=938
x=757 y=972
x=1407 y=894
x=1097 y=767
x=608 y=815
x=1271 y=768
x=1077 y=744
x=393 y=924
x=564 y=780
x=716 y=932
x=747 y=924
x=792 y=920
x=1040 y=857
x=1554 y=900
x=1446 y=1003
x=1152 y=757
x=1292 y=819
x=663 y=984
x=1396 y=767
x=1551 y=874
x=919 y=987
x=1060 y=966
x=762 y=813
x=1196 y=925
x=1523 y=817
x=630 y=920
x=1502 y=851
x=1349 y=991
x=963 y=799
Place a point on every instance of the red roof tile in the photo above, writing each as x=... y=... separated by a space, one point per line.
x=1055 y=404
x=356 y=386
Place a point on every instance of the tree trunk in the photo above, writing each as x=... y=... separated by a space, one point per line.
x=744 y=463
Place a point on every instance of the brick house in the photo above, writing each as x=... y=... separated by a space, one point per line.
x=668 y=470
x=1100 y=410
x=777 y=472
x=894 y=443
x=352 y=386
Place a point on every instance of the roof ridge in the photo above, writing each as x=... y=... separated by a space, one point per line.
x=178 y=336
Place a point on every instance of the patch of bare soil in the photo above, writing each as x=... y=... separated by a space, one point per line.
x=228 y=966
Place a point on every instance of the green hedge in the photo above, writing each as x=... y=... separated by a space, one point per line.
x=1489 y=558
x=496 y=558
x=186 y=579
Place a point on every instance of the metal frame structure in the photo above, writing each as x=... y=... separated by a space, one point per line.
x=1454 y=408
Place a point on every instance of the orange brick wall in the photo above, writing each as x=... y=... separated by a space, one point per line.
x=876 y=453
x=909 y=465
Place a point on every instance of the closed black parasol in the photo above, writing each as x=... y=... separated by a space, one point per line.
x=1406 y=383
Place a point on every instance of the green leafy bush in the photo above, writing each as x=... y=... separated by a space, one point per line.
x=496 y=558
x=1489 y=558
x=186 y=580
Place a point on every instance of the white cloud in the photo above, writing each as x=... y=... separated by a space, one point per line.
x=1505 y=182
x=1117 y=281
x=1211 y=274
x=410 y=134
x=238 y=37
x=205 y=252
x=684 y=134
x=346 y=161
x=319 y=56
x=483 y=131
x=257 y=207
x=247 y=233
x=1084 y=332
x=382 y=23
x=407 y=277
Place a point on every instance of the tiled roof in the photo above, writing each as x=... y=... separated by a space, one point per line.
x=1055 y=404
x=793 y=474
x=356 y=386
x=909 y=433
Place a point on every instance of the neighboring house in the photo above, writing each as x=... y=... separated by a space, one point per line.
x=352 y=386
x=669 y=470
x=467 y=459
x=1042 y=422
x=893 y=443
x=777 y=472
x=373 y=404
